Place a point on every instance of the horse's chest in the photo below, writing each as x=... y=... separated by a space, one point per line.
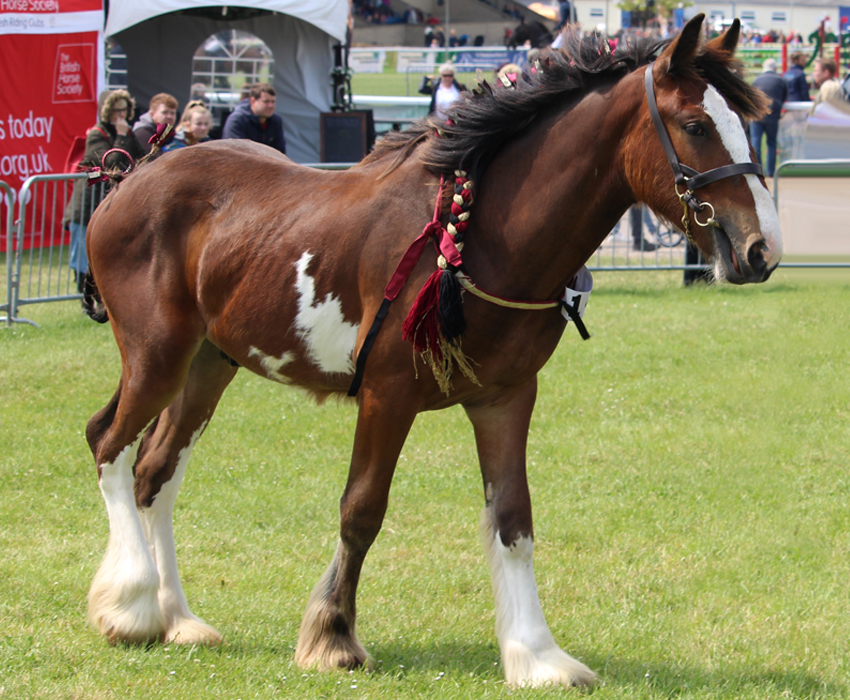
x=513 y=346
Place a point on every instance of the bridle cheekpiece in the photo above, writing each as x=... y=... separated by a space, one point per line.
x=688 y=178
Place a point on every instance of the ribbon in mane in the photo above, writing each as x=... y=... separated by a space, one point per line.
x=101 y=174
x=163 y=134
x=436 y=321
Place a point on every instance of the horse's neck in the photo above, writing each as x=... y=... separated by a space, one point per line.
x=549 y=198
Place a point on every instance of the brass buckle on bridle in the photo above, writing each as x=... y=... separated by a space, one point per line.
x=685 y=198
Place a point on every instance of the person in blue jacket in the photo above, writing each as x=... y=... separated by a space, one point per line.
x=774 y=86
x=254 y=118
x=795 y=77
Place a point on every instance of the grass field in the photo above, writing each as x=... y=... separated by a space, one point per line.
x=688 y=467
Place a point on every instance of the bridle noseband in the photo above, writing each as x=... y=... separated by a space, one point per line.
x=687 y=177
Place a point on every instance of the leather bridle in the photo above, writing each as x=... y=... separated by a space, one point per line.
x=686 y=177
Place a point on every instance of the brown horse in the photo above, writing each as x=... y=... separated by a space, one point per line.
x=228 y=254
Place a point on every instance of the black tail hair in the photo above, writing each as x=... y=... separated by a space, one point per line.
x=92 y=303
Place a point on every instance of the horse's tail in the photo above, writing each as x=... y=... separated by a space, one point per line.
x=92 y=303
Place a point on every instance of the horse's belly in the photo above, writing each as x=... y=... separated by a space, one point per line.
x=293 y=330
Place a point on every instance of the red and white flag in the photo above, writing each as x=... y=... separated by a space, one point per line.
x=51 y=59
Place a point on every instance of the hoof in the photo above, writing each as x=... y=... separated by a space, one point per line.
x=136 y=623
x=126 y=610
x=326 y=641
x=525 y=668
x=337 y=654
x=192 y=630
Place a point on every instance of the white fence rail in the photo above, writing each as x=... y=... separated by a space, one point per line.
x=35 y=243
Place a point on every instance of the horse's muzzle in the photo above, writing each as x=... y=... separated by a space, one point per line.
x=742 y=262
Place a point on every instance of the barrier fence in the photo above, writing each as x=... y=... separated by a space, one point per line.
x=7 y=208
x=36 y=244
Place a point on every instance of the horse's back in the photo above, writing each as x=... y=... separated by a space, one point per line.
x=260 y=255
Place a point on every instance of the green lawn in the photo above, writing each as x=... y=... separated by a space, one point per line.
x=688 y=466
x=393 y=84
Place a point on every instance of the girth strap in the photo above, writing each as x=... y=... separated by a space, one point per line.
x=405 y=266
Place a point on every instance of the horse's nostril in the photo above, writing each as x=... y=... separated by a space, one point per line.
x=756 y=259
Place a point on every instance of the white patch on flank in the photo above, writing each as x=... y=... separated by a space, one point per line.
x=734 y=138
x=181 y=625
x=123 y=596
x=329 y=338
x=273 y=365
x=529 y=652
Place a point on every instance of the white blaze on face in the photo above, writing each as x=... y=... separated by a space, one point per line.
x=329 y=338
x=734 y=138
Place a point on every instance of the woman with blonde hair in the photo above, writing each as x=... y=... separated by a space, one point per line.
x=194 y=127
x=445 y=93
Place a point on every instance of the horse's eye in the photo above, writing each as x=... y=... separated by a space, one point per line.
x=696 y=129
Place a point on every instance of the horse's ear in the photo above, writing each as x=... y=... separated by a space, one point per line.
x=684 y=48
x=728 y=41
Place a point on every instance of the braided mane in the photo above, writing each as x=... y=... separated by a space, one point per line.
x=483 y=120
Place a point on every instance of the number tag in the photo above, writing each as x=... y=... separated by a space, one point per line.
x=577 y=297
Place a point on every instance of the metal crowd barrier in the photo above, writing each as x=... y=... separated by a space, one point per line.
x=37 y=244
x=7 y=222
x=828 y=167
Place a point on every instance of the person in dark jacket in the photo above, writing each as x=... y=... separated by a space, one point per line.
x=111 y=131
x=795 y=78
x=163 y=110
x=774 y=86
x=254 y=118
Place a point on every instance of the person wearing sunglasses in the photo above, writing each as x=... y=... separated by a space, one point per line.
x=444 y=94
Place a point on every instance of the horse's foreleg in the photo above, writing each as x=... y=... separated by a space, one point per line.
x=160 y=469
x=327 y=638
x=529 y=653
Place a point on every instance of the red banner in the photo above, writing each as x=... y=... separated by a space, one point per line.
x=51 y=58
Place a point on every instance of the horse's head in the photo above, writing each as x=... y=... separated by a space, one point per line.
x=704 y=179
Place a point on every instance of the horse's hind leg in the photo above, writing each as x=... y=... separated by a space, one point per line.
x=160 y=468
x=123 y=600
x=530 y=655
x=327 y=638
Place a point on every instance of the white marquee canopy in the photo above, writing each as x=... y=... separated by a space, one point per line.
x=160 y=41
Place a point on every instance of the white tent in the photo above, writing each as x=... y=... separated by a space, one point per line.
x=160 y=38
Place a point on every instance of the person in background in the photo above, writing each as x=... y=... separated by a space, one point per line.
x=829 y=102
x=255 y=118
x=163 y=110
x=774 y=86
x=795 y=78
x=194 y=127
x=443 y=95
x=704 y=273
x=638 y=214
x=111 y=131
x=565 y=10
x=199 y=94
